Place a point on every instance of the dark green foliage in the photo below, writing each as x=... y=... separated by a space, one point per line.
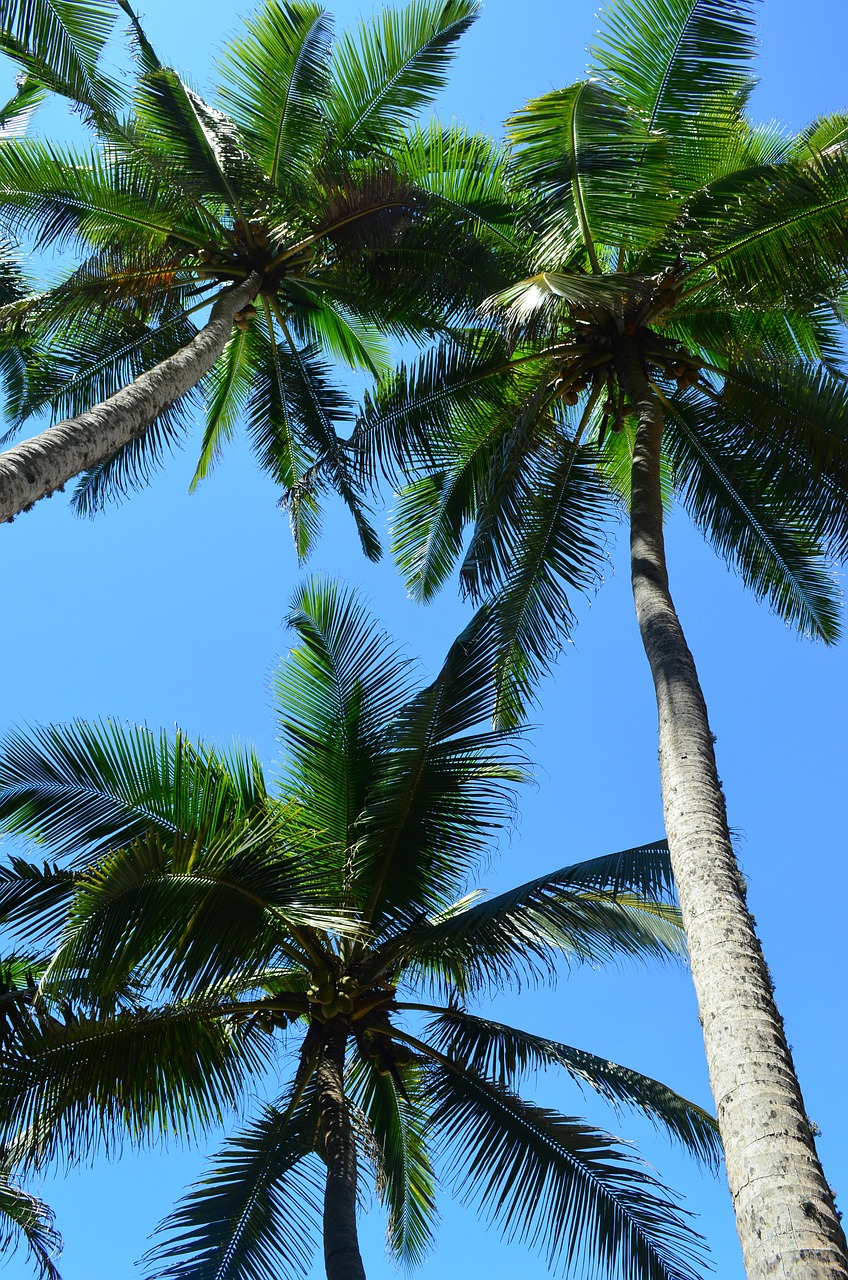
x=306 y=169
x=187 y=926
x=650 y=208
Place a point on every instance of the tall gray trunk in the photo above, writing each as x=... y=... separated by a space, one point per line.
x=785 y=1214
x=342 y=1259
x=37 y=467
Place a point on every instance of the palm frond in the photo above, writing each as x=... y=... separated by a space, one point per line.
x=318 y=406
x=81 y=789
x=792 y=426
x=506 y=1055
x=57 y=195
x=338 y=331
x=61 y=41
x=445 y=786
x=34 y=900
x=393 y=68
x=201 y=143
x=26 y=1220
x=748 y=520
x=464 y=176
x=595 y=911
x=187 y=916
x=595 y=172
x=563 y=1187
x=410 y=422
x=335 y=693
x=74 y=1085
x=667 y=57
x=554 y=548
x=227 y=388
x=16 y=114
x=400 y=1132
x=275 y=82
x=774 y=233
x=256 y=1214
x=276 y=414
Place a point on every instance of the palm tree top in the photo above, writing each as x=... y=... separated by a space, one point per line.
x=305 y=177
x=191 y=922
x=665 y=232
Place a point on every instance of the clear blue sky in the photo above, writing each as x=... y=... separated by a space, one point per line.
x=169 y=609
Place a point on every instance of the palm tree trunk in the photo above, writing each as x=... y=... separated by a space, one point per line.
x=342 y=1260
x=785 y=1214
x=37 y=467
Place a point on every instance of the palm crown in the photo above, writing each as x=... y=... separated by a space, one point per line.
x=306 y=185
x=667 y=230
x=194 y=923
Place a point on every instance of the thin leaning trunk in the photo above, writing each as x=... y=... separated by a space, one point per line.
x=785 y=1214
x=342 y=1260
x=37 y=467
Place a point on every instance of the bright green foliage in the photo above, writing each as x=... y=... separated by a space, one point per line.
x=60 y=42
x=653 y=210
x=191 y=929
x=306 y=172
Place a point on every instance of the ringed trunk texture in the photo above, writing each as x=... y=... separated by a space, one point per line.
x=785 y=1213
x=342 y=1260
x=37 y=467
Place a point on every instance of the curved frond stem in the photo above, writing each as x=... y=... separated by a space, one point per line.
x=578 y=191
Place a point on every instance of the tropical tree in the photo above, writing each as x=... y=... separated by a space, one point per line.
x=189 y=927
x=304 y=207
x=679 y=338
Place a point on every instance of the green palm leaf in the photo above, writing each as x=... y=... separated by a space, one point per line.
x=276 y=80
x=583 y=912
x=395 y=67
x=506 y=1055
x=339 y=332
x=667 y=57
x=775 y=232
x=227 y=390
x=748 y=520
x=554 y=547
x=336 y=692
x=56 y=195
x=189 y=916
x=63 y=40
x=791 y=426
x=16 y=114
x=401 y=1131
x=443 y=789
x=558 y=1184
x=463 y=174
x=595 y=171
x=81 y=789
x=34 y=900
x=201 y=143
x=255 y=1214
x=26 y=1220
x=75 y=1085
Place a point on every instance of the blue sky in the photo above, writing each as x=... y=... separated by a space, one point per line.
x=168 y=610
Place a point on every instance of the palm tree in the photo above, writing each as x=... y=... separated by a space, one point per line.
x=304 y=207
x=679 y=337
x=189 y=927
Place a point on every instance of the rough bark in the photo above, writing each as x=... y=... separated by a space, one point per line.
x=342 y=1260
x=785 y=1214
x=37 y=467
